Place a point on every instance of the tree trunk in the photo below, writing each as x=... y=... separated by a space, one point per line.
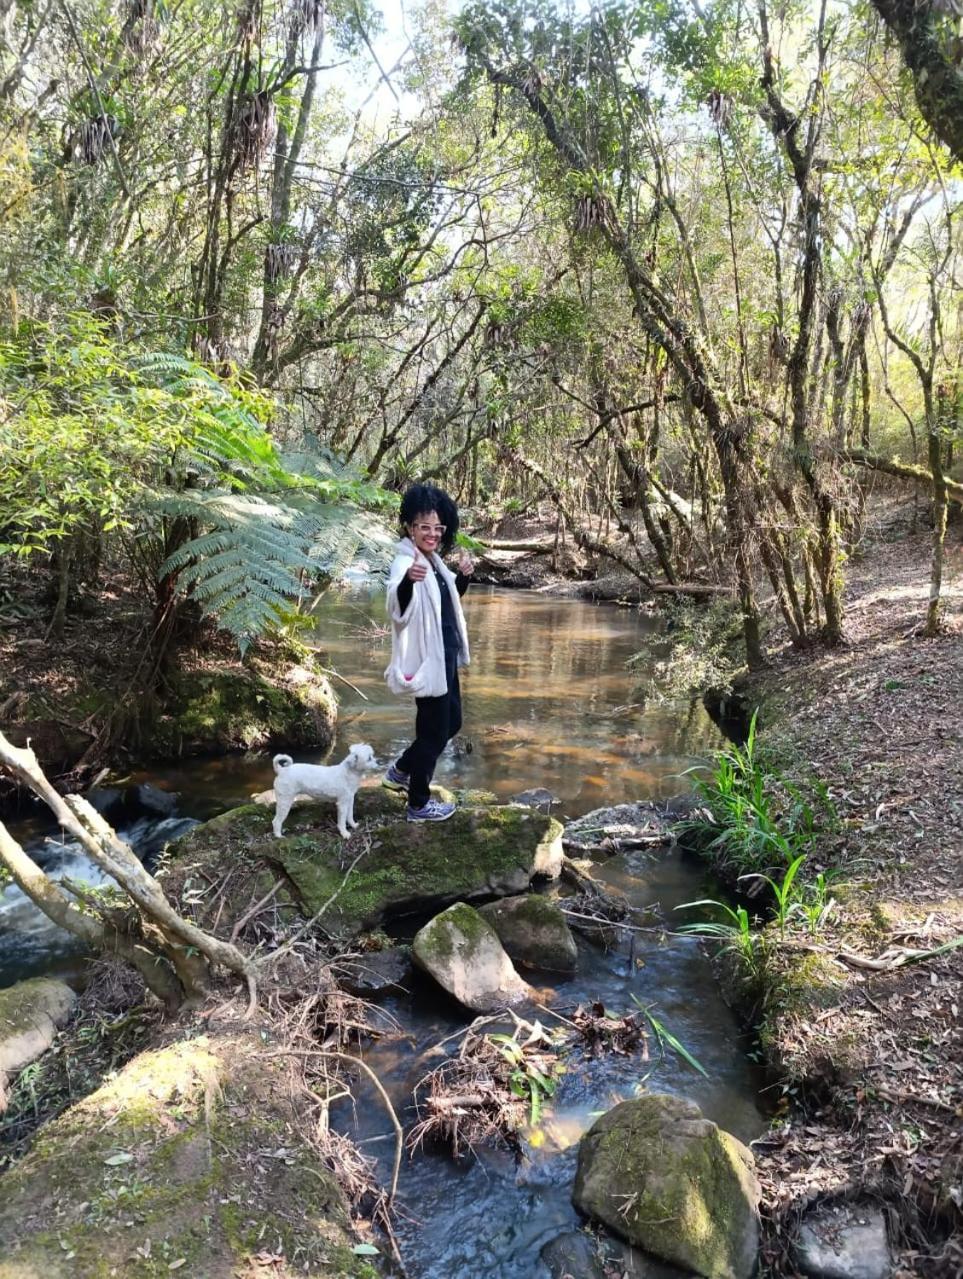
x=934 y=608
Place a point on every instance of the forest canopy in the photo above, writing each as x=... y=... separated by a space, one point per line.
x=689 y=272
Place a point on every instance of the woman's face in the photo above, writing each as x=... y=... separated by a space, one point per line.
x=426 y=532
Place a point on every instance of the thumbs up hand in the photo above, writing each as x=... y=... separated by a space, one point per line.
x=419 y=568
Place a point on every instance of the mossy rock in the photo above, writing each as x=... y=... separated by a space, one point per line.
x=189 y=1155
x=479 y=853
x=243 y=708
x=461 y=950
x=533 y=931
x=673 y=1183
x=30 y=1014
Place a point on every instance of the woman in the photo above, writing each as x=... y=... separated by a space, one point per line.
x=428 y=641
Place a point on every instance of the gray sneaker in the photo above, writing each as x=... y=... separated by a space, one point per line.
x=434 y=811
x=394 y=779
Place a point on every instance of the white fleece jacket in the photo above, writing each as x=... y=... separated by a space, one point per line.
x=417 y=663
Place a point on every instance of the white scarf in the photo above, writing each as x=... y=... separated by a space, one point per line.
x=417 y=663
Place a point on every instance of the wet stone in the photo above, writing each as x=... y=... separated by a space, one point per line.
x=580 y=1255
x=534 y=932
x=671 y=1182
x=377 y=973
x=537 y=797
x=844 y=1241
x=462 y=952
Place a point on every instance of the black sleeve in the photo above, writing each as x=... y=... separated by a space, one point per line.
x=461 y=582
x=405 y=588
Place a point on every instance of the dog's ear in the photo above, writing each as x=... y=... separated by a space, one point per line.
x=356 y=759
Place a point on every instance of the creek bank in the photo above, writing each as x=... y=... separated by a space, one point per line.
x=866 y=1050
x=190 y=1158
x=88 y=703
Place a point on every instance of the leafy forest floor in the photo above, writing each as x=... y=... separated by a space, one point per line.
x=873 y=1055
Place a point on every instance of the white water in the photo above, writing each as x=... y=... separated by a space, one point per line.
x=30 y=943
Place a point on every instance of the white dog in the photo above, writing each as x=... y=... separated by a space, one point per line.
x=321 y=781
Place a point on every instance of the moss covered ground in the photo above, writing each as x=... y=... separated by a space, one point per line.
x=388 y=867
x=189 y=1160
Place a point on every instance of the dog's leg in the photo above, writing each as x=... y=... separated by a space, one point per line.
x=342 y=818
x=282 y=806
x=349 y=819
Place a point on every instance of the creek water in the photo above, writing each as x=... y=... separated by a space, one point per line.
x=549 y=702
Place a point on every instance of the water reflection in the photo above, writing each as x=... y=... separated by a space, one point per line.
x=548 y=699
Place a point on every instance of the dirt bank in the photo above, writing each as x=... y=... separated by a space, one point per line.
x=870 y=1058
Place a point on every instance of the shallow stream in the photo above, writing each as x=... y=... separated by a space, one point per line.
x=549 y=702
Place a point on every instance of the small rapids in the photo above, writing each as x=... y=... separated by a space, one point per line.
x=30 y=943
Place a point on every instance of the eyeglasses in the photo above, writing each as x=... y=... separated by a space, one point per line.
x=439 y=529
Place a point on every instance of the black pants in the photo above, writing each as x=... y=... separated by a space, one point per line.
x=437 y=721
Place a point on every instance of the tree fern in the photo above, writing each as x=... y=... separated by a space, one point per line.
x=257 y=552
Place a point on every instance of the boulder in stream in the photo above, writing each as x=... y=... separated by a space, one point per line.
x=462 y=952
x=533 y=931
x=668 y=1180
x=31 y=1013
x=480 y=852
x=188 y=1161
x=243 y=707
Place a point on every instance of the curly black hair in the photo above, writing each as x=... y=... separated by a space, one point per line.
x=425 y=499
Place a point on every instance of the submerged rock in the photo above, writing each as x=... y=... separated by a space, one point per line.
x=403 y=867
x=670 y=1181
x=537 y=797
x=188 y=1161
x=579 y=1255
x=534 y=932
x=844 y=1241
x=462 y=952
x=31 y=1013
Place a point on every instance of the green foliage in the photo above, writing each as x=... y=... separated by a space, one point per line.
x=665 y=1038
x=526 y=1080
x=756 y=819
x=734 y=931
x=101 y=439
x=81 y=434
x=282 y=526
x=786 y=895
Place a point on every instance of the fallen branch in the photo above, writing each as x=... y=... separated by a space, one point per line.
x=617 y=843
x=180 y=938
x=902 y=1097
x=903 y=470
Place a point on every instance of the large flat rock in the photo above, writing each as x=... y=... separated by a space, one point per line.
x=481 y=852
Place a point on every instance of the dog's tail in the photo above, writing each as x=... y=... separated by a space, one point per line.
x=282 y=761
